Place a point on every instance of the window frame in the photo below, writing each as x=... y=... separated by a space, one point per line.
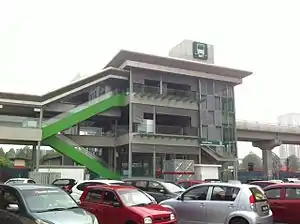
x=285 y=192
x=88 y=196
x=111 y=203
x=274 y=188
x=159 y=184
x=194 y=188
x=222 y=186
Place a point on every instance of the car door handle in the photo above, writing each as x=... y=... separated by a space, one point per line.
x=231 y=206
x=202 y=204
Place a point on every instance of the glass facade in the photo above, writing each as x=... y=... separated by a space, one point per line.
x=218 y=115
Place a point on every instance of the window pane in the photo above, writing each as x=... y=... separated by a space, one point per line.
x=197 y=193
x=273 y=193
x=258 y=194
x=109 y=197
x=217 y=103
x=221 y=193
x=292 y=193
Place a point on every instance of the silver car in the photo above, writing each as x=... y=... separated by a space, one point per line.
x=221 y=203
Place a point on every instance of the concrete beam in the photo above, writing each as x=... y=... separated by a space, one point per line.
x=266 y=144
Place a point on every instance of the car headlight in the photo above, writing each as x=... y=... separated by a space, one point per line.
x=172 y=216
x=39 y=221
x=147 y=220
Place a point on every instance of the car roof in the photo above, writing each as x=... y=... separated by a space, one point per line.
x=111 y=187
x=30 y=186
x=283 y=185
x=191 y=181
x=146 y=179
x=103 y=181
x=19 y=178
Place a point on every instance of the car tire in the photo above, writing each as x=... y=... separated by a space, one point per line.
x=238 y=220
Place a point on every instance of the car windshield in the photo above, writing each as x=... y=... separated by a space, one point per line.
x=43 y=200
x=134 y=198
x=15 y=181
x=172 y=187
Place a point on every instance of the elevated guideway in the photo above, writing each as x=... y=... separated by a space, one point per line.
x=252 y=131
x=66 y=146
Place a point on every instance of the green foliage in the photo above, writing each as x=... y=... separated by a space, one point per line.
x=252 y=158
x=292 y=163
x=11 y=154
x=4 y=162
x=2 y=153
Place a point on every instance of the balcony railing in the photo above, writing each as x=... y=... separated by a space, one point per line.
x=165 y=129
x=141 y=88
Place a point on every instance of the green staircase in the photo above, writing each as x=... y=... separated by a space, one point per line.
x=80 y=113
x=80 y=155
x=66 y=120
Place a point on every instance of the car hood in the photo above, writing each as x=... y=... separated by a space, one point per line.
x=151 y=210
x=73 y=216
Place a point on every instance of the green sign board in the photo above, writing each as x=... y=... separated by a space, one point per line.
x=211 y=142
x=200 y=50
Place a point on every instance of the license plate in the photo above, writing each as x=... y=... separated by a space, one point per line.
x=265 y=208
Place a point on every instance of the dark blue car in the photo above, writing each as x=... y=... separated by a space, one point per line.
x=42 y=205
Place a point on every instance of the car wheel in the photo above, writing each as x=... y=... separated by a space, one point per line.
x=238 y=221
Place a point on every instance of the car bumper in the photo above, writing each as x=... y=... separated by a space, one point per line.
x=264 y=220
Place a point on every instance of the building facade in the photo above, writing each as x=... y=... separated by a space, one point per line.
x=290 y=119
x=142 y=110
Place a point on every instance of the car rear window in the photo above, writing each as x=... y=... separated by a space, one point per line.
x=62 y=182
x=258 y=194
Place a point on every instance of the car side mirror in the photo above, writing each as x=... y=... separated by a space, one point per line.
x=116 y=204
x=12 y=208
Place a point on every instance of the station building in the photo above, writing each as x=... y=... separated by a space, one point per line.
x=138 y=111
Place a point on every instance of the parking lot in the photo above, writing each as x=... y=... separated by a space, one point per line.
x=143 y=200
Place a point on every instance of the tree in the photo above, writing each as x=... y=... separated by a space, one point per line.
x=11 y=154
x=252 y=160
x=292 y=163
x=4 y=162
x=276 y=165
x=2 y=153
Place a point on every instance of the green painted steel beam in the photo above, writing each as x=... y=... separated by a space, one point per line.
x=80 y=114
x=80 y=157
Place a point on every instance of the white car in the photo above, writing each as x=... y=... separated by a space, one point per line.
x=78 y=189
x=20 y=181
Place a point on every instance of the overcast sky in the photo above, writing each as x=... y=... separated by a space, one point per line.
x=44 y=44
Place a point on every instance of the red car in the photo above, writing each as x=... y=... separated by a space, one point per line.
x=284 y=201
x=124 y=204
x=264 y=183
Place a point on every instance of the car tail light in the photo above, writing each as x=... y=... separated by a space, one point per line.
x=252 y=202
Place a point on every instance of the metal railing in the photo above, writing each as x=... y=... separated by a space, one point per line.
x=85 y=152
x=165 y=129
x=141 y=88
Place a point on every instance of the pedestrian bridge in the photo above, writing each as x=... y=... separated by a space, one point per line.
x=258 y=131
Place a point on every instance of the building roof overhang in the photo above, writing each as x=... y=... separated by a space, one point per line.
x=125 y=55
x=40 y=100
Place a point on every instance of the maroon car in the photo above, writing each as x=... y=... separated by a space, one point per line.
x=264 y=183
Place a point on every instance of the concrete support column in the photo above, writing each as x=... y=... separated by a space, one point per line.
x=130 y=126
x=33 y=157
x=154 y=119
x=266 y=147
